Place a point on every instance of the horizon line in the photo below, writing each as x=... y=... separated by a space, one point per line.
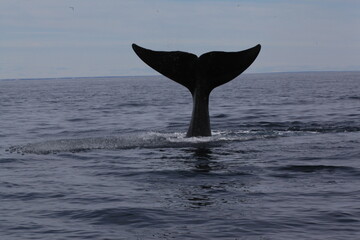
x=124 y=76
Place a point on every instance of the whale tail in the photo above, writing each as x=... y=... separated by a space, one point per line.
x=212 y=69
x=200 y=75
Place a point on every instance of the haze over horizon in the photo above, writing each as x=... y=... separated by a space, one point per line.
x=83 y=38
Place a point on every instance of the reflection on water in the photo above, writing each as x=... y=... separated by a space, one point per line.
x=214 y=179
x=202 y=161
x=202 y=155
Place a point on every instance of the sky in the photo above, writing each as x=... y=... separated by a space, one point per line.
x=85 y=38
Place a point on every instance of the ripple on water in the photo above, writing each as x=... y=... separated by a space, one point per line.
x=140 y=217
x=319 y=168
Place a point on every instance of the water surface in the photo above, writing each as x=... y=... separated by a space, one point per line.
x=107 y=158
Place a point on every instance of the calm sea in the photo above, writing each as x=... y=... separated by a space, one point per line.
x=106 y=158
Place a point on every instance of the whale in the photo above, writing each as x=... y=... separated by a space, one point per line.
x=200 y=75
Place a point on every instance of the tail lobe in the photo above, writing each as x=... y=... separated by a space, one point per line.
x=178 y=66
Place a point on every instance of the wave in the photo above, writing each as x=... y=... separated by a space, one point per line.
x=106 y=216
x=253 y=131
x=142 y=140
x=298 y=126
x=318 y=168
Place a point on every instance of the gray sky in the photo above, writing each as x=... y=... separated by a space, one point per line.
x=73 y=38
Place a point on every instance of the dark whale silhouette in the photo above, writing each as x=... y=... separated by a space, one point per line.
x=200 y=75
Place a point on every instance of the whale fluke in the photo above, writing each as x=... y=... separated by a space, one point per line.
x=200 y=75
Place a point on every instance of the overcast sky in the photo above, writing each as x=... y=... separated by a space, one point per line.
x=73 y=38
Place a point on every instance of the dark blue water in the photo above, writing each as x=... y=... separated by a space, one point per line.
x=106 y=158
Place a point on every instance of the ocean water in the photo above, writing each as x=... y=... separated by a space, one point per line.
x=106 y=158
